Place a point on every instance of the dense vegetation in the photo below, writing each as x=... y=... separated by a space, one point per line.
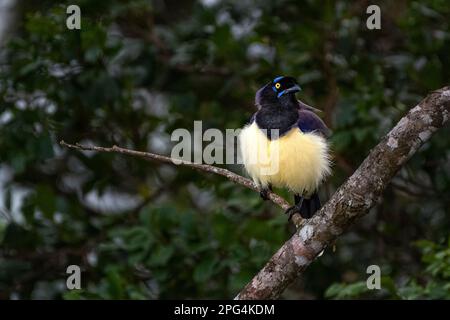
x=136 y=71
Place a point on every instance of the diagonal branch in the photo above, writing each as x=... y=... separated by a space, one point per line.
x=353 y=199
x=350 y=202
x=276 y=199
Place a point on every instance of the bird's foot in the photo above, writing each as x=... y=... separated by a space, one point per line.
x=291 y=211
x=264 y=193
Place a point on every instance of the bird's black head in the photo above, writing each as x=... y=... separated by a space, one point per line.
x=284 y=85
x=280 y=90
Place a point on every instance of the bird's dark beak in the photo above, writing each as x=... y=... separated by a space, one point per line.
x=293 y=89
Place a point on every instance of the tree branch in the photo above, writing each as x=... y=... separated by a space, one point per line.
x=276 y=199
x=353 y=199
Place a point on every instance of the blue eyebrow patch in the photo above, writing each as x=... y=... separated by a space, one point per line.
x=278 y=78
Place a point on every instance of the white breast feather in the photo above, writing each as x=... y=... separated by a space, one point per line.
x=297 y=161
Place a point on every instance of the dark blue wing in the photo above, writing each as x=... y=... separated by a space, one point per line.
x=308 y=121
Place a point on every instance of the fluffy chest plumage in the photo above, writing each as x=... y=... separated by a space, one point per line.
x=296 y=160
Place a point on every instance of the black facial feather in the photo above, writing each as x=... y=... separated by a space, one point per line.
x=284 y=83
x=276 y=112
x=283 y=111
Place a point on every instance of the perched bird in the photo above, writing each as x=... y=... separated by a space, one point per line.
x=284 y=145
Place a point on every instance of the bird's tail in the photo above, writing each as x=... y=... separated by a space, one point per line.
x=310 y=206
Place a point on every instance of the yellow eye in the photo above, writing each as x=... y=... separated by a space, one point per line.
x=277 y=85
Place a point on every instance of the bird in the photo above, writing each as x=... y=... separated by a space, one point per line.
x=285 y=145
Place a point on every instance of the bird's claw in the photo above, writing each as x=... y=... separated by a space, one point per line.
x=264 y=193
x=291 y=211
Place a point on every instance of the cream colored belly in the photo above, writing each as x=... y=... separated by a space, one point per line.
x=298 y=161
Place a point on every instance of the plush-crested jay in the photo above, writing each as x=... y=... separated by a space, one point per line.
x=284 y=145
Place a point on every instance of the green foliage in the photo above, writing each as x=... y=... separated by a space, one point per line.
x=432 y=283
x=174 y=254
x=136 y=71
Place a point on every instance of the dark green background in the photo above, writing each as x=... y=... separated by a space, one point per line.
x=136 y=71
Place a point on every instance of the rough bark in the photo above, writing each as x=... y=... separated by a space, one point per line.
x=353 y=199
